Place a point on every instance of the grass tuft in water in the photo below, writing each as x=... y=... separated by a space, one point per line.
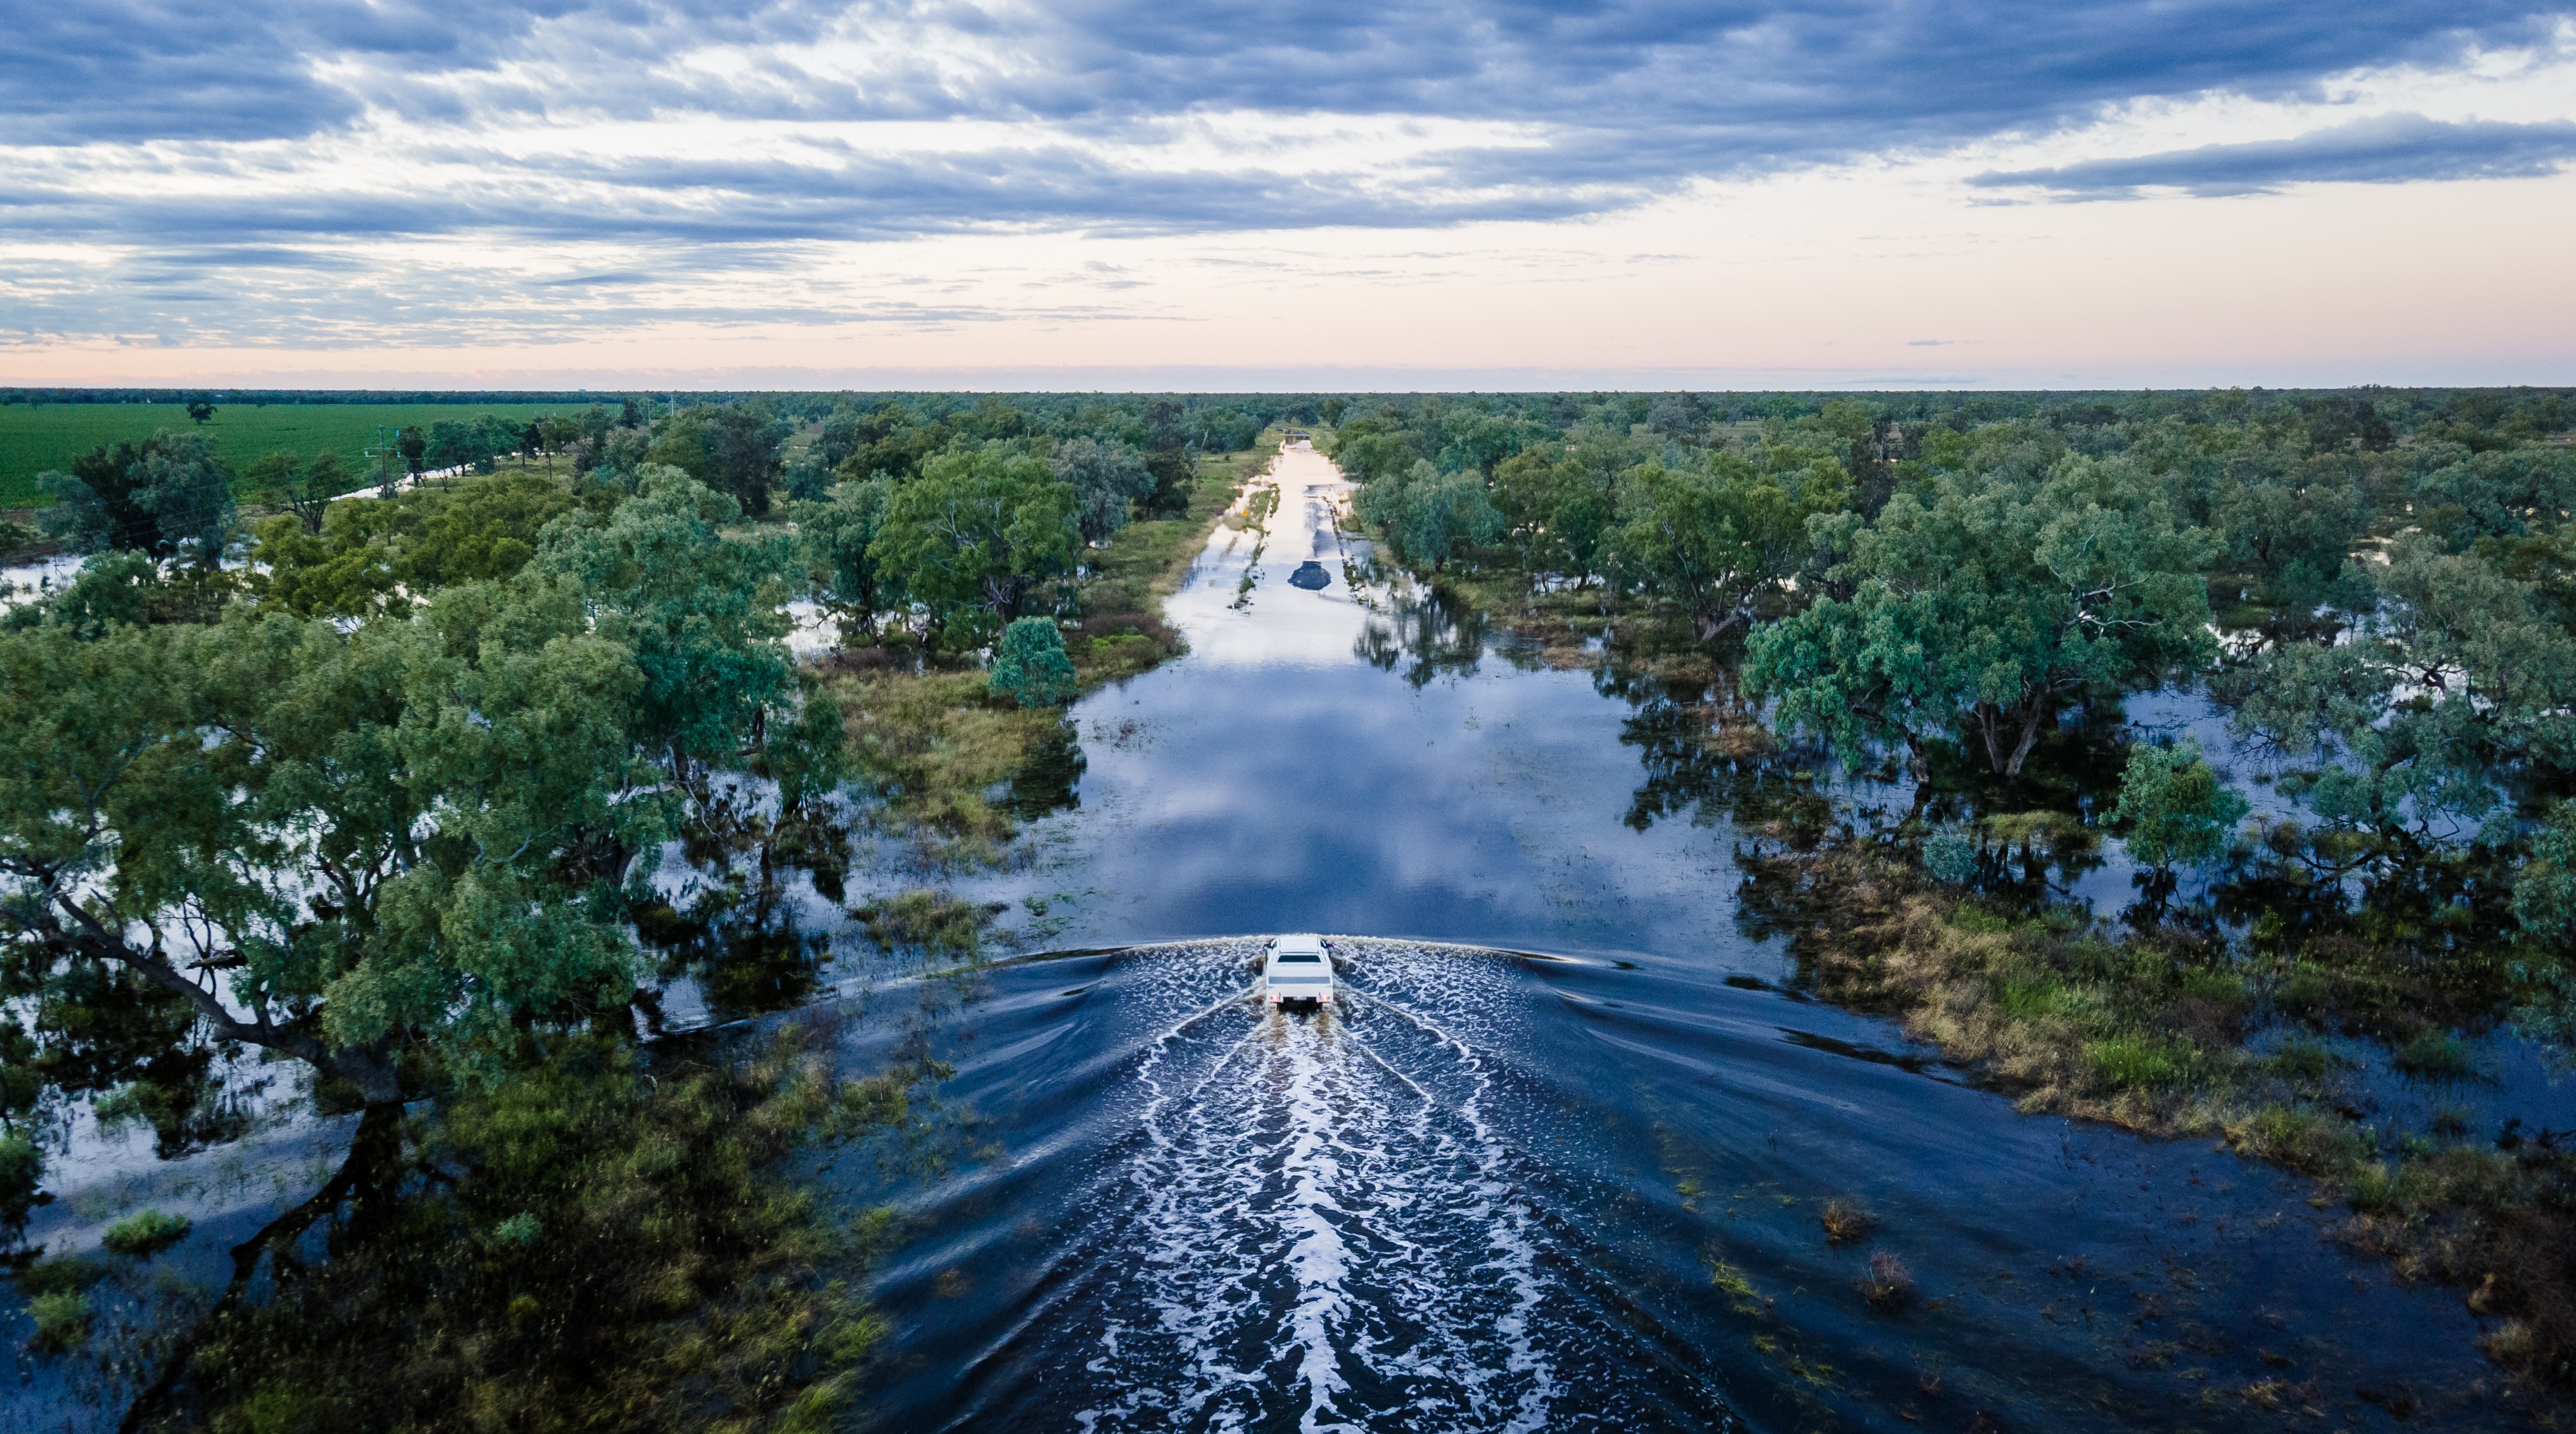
x=145 y=1233
x=1731 y=1282
x=2303 y=1059
x=62 y=1321
x=927 y=925
x=1888 y=1285
x=2437 y=1056
x=1846 y=1221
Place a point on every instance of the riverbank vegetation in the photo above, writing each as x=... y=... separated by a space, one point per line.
x=436 y=799
x=455 y=803
x=583 y=1245
x=958 y=771
x=1949 y=599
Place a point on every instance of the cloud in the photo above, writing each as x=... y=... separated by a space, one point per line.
x=1621 y=97
x=108 y=70
x=367 y=144
x=2390 y=149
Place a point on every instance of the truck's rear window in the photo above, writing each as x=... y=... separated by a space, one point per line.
x=1299 y=956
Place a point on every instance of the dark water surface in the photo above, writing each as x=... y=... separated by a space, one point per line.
x=1505 y=1190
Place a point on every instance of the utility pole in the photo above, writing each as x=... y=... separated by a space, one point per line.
x=381 y=457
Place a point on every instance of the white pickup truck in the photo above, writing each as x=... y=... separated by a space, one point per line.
x=1295 y=968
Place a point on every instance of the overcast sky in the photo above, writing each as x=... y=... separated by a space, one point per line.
x=1317 y=193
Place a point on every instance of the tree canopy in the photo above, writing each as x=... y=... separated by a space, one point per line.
x=169 y=496
x=975 y=535
x=390 y=838
x=1990 y=605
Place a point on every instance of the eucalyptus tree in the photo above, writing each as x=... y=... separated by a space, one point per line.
x=337 y=847
x=378 y=846
x=365 y=556
x=699 y=610
x=1986 y=606
x=2450 y=698
x=1428 y=516
x=2544 y=906
x=2500 y=493
x=730 y=448
x=1374 y=446
x=1107 y=479
x=1717 y=540
x=974 y=536
x=838 y=537
x=169 y=496
x=2291 y=528
x=303 y=488
x=1558 y=510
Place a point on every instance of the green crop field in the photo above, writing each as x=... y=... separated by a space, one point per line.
x=37 y=437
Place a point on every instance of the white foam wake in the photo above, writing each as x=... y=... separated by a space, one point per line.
x=1318 y=1215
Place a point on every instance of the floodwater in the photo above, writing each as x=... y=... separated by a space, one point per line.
x=1559 y=1161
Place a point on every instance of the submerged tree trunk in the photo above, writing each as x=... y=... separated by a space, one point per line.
x=1995 y=724
x=2029 y=736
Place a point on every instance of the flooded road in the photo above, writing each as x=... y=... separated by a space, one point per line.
x=1561 y=1160
x=1338 y=761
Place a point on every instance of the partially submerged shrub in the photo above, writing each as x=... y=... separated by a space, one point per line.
x=2302 y=1139
x=62 y=1320
x=2372 y=1188
x=2301 y=1058
x=57 y=1294
x=927 y=925
x=52 y=1277
x=22 y=1174
x=1846 y=1221
x=145 y=1233
x=1030 y=666
x=2174 y=806
x=2436 y=1055
x=2511 y=1345
x=1950 y=855
x=1888 y=1285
